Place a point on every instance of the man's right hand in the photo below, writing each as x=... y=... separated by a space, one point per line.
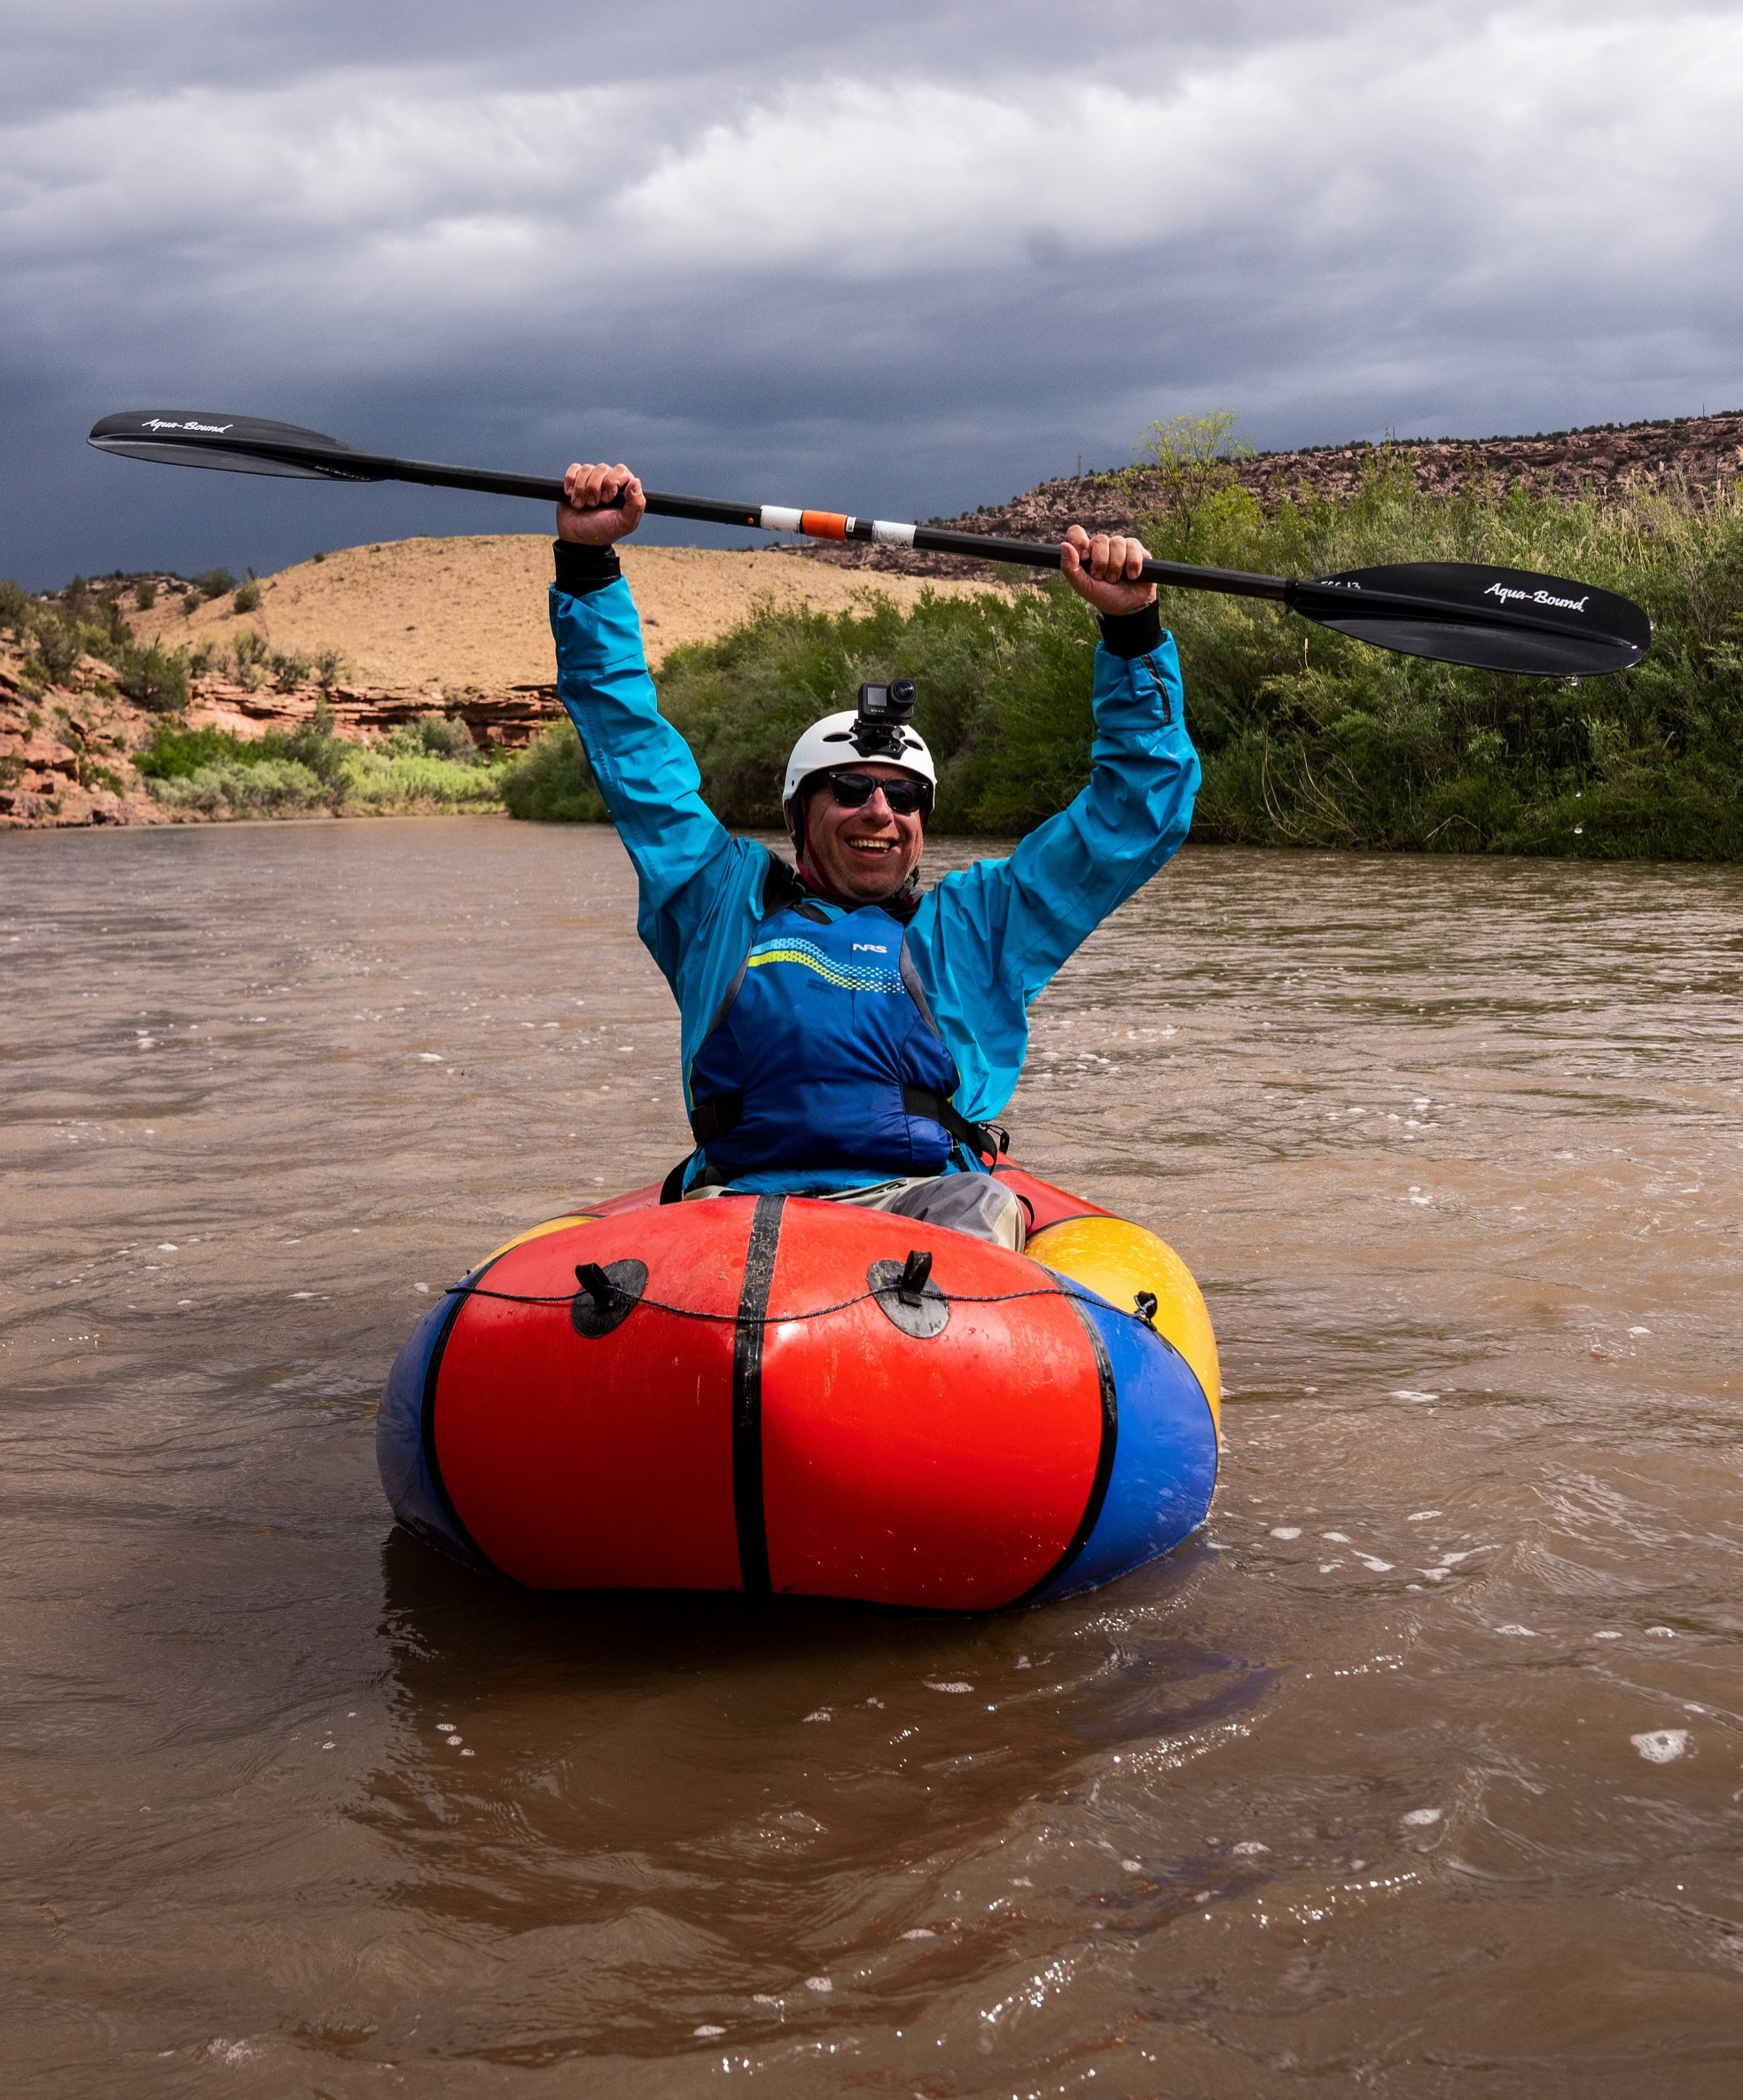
x=600 y=504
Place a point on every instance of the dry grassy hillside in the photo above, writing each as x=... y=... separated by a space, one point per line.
x=469 y=614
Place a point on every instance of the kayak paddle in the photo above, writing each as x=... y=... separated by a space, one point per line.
x=1452 y=612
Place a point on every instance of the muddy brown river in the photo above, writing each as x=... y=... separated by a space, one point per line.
x=1419 y=1773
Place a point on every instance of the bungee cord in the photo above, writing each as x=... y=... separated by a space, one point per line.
x=687 y=1312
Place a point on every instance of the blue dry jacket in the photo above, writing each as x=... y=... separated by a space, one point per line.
x=984 y=941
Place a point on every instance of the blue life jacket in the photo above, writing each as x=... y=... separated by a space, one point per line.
x=824 y=1068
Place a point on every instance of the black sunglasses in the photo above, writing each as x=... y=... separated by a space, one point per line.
x=904 y=796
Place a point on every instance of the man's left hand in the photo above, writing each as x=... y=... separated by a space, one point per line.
x=1105 y=570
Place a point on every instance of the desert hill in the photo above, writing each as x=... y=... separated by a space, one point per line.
x=467 y=615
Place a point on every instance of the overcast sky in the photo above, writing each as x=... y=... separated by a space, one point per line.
x=901 y=259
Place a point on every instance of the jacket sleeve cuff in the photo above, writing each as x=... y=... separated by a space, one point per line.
x=1123 y=633
x=583 y=569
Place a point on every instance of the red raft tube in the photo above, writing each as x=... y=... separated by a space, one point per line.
x=775 y=1394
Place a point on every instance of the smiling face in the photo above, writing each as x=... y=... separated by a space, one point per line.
x=864 y=854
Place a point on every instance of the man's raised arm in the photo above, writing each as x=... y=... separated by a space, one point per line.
x=644 y=768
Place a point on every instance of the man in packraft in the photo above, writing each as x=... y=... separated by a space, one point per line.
x=847 y=1034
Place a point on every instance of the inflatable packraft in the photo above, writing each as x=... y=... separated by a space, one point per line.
x=775 y=1394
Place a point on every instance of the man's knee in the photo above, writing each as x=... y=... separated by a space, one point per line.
x=972 y=1203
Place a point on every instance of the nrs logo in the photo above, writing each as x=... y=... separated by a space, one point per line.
x=869 y=948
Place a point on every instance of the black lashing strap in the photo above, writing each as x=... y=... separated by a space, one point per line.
x=765 y=1234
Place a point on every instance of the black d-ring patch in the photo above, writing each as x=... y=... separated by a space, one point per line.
x=607 y=1296
x=908 y=1297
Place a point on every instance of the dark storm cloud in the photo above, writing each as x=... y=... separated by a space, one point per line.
x=904 y=259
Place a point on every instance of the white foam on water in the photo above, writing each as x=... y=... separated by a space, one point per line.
x=1286 y=1531
x=948 y=1685
x=1419 y=1819
x=1662 y=1633
x=707 y=2034
x=1335 y=1537
x=1512 y=1625
x=818 y=1983
x=1421 y=1516
x=915 y=1932
x=1249 y=1848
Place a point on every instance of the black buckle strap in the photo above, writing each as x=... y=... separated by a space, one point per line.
x=989 y=1140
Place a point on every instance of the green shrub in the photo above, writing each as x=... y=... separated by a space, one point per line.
x=155 y=678
x=177 y=753
x=418 y=781
x=144 y=594
x=289 y=669
x=436 y=736
x=247 y=599
x=60 y=645
x=265 y=787
x=249 y=655
x=215 y=583
x=551 y=781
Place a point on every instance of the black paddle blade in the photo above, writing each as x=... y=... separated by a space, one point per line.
x=1493 y=619
x=236 y=444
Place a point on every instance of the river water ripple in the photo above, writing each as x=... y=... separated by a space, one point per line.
x=1419 y=1774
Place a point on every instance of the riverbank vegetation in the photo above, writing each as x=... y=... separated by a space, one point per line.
x=425 y=766
x=1308 y=738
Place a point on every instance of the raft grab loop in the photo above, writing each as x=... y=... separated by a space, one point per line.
x=1145 y=1302
x=908 y=1297
x=607 y=1297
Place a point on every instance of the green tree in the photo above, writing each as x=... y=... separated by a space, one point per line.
x=1195 y=459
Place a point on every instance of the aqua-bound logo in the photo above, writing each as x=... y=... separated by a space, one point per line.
x=214 y=430
x=1505 y=591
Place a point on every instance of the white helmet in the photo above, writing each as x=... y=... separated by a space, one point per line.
x=832 y=743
